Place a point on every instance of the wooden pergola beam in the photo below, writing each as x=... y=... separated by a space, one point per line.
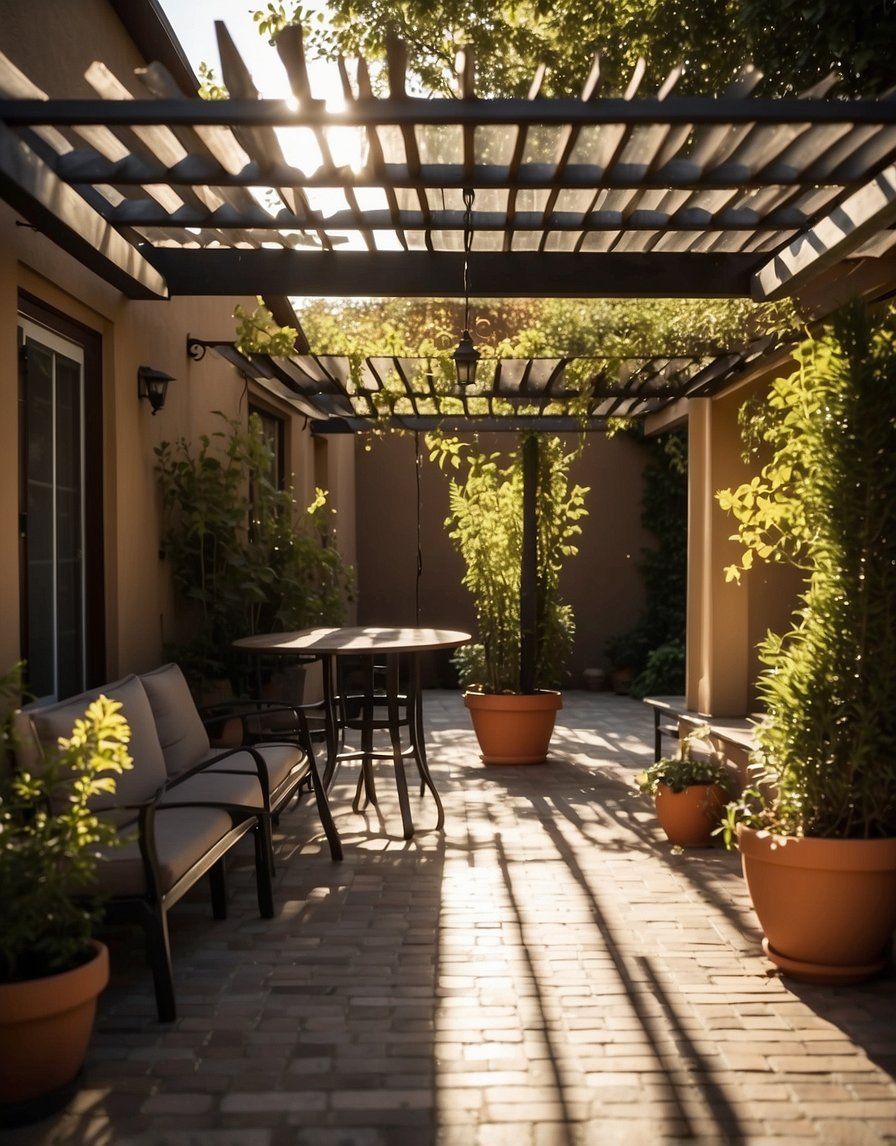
x=861 y=215
x=408 y=111
x=29 y=186
x=493 y=274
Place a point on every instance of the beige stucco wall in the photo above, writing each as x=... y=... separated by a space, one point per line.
x=54 y=41
x=726 y=620
x=601 y=583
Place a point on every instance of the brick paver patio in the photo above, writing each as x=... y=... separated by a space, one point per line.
x=546 y=973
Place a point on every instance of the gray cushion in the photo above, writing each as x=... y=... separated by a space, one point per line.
x=207 y=787
x=181 y=732
x=182 y=837
x=279 y=761
x=52 y=721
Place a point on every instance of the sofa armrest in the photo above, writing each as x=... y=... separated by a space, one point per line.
x=259 y=720
x=141 y=823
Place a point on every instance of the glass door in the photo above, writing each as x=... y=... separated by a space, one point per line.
x=52 y=512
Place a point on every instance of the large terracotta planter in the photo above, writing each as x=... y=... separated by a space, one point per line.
x=45 y=1029
x=690 y=817
x=513 y=729
x=827 y=907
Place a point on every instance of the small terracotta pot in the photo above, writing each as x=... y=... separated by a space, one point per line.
x=690 y=817
x=827 y=906
x=45 y=1029
x=513 y=728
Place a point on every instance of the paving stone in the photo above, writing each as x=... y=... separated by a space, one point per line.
x=547 y=972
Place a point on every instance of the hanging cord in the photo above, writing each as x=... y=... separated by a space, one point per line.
x=469 y=196
x=417 y=464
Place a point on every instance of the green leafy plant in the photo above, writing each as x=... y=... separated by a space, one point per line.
x=209 y=88
x=664 y=672
x=258 y=332
x=51 y=838
x=793 y=45
x=825 y=500
x=486 y=527
x=688 y=768
x=653 y=650
x=244 y=558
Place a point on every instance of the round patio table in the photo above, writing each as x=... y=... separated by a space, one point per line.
x=381 y=649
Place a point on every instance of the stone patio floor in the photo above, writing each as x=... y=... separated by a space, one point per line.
x=546 y=972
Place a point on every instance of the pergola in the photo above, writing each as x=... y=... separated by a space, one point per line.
x=162 y=193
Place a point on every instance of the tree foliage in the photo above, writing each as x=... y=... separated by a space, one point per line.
x=258 y=332
x=533 y=328
x=794 y=42
x=486 y=526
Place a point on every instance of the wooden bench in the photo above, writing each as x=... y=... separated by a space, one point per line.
x=732 y=737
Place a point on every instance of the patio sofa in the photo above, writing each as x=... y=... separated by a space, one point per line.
x=181 y=808
x=276 y=732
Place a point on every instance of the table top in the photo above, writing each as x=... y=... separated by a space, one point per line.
x=361 y=639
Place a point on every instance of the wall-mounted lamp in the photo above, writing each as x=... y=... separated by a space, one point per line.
x=152 y=384
x=466 y=356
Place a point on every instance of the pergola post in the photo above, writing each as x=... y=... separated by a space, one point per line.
x=529 y=568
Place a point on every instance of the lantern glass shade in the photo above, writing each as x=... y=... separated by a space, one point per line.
x=152 y=385
x=466 y=357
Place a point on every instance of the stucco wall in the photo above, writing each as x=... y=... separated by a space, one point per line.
x=601 y=583
x=54 y=41
x=726 y=620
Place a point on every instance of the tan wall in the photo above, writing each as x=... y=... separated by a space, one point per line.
x=726 y=620
x=54 y=41
x=601 y=583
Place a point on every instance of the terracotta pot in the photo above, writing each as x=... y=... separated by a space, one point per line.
x=513 y=729
x=595 y=679
x=621 y=681
x=827 y=906
x=45 y=1029
x=690 y=817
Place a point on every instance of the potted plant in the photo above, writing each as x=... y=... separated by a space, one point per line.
x=51 y=969
x=690 y=791
x=513 y=706
x=817 y=827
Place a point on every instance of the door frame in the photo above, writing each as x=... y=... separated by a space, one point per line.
x=90 y=341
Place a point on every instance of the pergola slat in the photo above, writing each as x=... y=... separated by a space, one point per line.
x=724 y=112
x=290 y=48
x=225 y=217
x=63 y=215
x=513 y=393
x=868 y=211
x=260 y=141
